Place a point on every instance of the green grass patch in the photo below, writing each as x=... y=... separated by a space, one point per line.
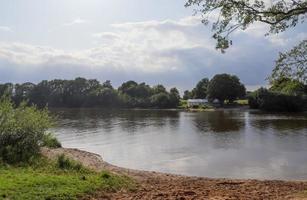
x=242 y=102
x=46 y=180
x=183 y=104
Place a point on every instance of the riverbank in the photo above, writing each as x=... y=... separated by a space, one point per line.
x=154 y=185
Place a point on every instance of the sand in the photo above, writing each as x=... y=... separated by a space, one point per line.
x=160 y=186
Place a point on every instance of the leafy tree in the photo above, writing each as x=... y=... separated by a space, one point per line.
x=239 y=14
x=225 y=87
x=275 y=101
x=128 y=88
x=288 y=86
x=200 y=91
x=22 y=91
x=174 y=98
x=6 y=89
x=159 y=89
x=42 y=95
x=187 y=95
x=160 y=100
x=107 y=84
x=292 y=64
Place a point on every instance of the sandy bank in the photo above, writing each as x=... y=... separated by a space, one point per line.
x=153 y=185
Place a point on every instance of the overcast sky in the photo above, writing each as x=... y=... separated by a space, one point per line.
x=152 y=41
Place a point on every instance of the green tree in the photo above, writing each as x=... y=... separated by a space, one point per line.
x=23 y=91
x=225 y=87
x=22 y=131
x=159 y=89
x=239 y=14
x=288 y=86
x=292 y=64
x=174 y=98
x=160 y=100
x=6 y=89
x=187 y=95
x=200 y=91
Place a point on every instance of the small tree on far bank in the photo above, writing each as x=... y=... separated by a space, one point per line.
x=225 y=87
x=200 y=91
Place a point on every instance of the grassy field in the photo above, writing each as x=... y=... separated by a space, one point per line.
x=47 y=180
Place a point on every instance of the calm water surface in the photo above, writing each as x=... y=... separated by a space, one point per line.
x=230 y=144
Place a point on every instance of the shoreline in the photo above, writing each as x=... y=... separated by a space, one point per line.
x=157 y=185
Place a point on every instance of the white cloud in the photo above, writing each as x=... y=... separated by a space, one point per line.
x=6 y=29
x=76 y=21
x=173 y=51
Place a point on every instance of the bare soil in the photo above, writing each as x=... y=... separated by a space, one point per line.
x=160 y=186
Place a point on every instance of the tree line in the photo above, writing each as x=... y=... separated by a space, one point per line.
x=82 y=92
x=221 y=87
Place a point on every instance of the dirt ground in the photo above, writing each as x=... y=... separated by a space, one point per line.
x=160 y=186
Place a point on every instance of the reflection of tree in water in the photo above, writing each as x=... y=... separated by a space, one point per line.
x=84 y=119
x=133 y=120
x=108 y=119
x=279 y=123
x=223 y=128
x=218 y=121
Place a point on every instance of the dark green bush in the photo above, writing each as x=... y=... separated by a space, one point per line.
x=65 y=163
x=49 y=140
x=273 y=101
x=22 y=130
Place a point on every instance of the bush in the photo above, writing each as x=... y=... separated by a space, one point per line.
x=22 y=130
x=65 y=163
x=49 y=140
x=272 y=101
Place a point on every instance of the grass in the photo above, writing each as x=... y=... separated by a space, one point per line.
x=301 y=195
x=183 y=104
x=242 y=102
x=45 y=180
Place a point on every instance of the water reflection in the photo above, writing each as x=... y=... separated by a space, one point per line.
x=219 y=121
x=233 y=144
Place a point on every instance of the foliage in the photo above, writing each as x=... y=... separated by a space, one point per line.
x=292 y=64
x=225 y=87
x=65 y=163
x=243 y=102
x=200 y=91
x=183 y=103
x=83 y=92
x=240 y=14
x=187 y=95
x=50 y=141
x=22 y=131
x=273 y=101
x=47 y=181
x=160 y=100
x=288 y=86
x=174 y=98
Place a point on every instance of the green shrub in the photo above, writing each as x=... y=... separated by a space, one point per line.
x=273 y=101
x=49 y=140
x=22 y=130
x=65 y=163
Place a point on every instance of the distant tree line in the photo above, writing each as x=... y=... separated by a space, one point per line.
x=83 y=92
x=285 y=95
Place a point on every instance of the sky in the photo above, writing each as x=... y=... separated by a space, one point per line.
x=152 y=41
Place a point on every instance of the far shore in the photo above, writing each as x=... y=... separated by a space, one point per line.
x=156 y=185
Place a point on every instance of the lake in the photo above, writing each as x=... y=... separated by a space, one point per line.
x=217 y=144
